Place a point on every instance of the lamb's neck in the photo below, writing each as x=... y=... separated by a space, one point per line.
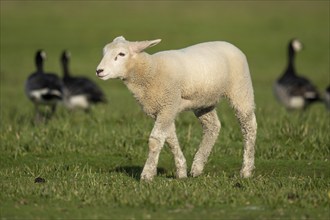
x=142 y=73
x=141 y=77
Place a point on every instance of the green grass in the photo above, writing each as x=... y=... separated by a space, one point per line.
x=92 y=162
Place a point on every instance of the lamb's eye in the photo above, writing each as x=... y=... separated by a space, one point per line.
x=120 y=54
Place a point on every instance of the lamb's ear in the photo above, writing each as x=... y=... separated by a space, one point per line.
x=142 y=45
x=120 y=38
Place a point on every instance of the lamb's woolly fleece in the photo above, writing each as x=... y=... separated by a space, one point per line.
x=194 y=78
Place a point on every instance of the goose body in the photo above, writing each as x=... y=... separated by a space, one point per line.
x=291 y=90
x=327 y=98
x=80 y=91
x=43 y=88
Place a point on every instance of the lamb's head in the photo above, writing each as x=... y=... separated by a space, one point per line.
x=119 y=57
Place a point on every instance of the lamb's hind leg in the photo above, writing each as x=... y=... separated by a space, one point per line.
x=244 y=109
x=180 y=160
x=242 y=99
x=249 y=130
x=211 y=127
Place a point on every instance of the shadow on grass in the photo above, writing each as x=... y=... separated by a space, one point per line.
x=135 y=171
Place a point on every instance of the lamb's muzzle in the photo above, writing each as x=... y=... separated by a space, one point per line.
x=99 y=71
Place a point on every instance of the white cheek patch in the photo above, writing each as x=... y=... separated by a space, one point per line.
x=297 y=46
x=43 y=55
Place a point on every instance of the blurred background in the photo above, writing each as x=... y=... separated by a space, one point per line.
x=261 y=30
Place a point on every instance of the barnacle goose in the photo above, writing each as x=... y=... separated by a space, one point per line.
x=43 y=88
x=327 y=97
x=80 y=91
x=292 y=90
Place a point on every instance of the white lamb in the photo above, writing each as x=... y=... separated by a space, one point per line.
x=194 y=78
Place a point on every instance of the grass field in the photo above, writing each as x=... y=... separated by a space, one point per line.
x=92 y=162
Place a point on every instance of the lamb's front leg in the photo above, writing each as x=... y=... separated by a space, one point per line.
x=180 y=160
x=156 y=143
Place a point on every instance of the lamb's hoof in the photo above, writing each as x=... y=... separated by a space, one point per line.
x=246 y=173
x=196 y=169
x=181 y=174
x=147 y=177
x=195 y=172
